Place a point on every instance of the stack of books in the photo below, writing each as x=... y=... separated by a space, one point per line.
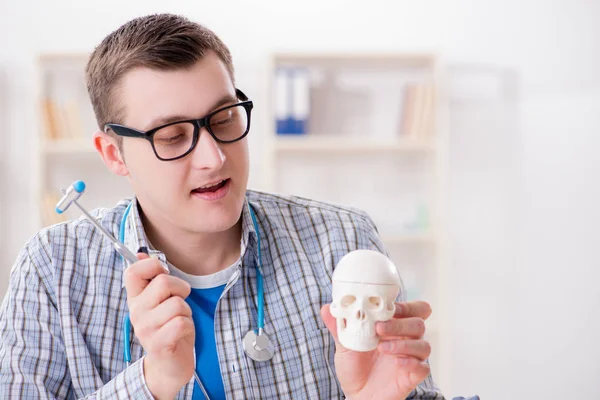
x=62 y=121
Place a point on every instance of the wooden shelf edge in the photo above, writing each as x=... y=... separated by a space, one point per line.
x=409 y=58
x=311 y=144
x=407 y=238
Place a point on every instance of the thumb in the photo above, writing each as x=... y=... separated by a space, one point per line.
x=331 y=324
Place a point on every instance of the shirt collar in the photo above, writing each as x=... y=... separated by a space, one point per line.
x=249 y=234
x=135 y=235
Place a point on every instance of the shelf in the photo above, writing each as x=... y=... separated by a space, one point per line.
x=360 y=59
x=409 y=238
x=300 y=144
x=68 y=147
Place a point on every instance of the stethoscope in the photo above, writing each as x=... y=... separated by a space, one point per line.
x=256 y=343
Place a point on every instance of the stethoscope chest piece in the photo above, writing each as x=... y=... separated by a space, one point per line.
x=258 y=347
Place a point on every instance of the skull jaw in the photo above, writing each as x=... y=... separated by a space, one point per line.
x=357 y=340
x=357 y=335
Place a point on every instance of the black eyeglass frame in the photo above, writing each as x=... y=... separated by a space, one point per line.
x=199 y=123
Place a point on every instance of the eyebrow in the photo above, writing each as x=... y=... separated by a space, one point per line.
x=159 y=121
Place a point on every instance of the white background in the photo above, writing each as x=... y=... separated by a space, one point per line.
x=524 y=195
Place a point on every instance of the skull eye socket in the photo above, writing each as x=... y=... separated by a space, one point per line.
x=375 y=302
x=347 y=300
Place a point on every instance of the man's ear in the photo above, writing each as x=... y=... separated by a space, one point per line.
x=108 y=149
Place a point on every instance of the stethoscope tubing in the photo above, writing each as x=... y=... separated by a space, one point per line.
x=260 y=295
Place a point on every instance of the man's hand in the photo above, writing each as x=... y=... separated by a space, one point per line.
x=162 y=321
x=396 y=367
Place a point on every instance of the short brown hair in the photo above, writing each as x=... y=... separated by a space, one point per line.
x=160 y=41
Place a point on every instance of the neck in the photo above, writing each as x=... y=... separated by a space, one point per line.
x=196 y=253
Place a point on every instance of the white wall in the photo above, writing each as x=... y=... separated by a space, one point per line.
x=523 y=204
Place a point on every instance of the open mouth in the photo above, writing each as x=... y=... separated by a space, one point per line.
x=211 y=188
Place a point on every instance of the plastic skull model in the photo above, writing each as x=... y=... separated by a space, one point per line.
x=365 y=286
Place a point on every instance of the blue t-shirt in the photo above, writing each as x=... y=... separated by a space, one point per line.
x=203 y=303
x=204 y=296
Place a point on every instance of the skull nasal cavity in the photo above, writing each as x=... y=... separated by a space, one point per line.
x=360 y=315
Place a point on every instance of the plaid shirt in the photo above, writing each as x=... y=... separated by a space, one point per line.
x=61 y=320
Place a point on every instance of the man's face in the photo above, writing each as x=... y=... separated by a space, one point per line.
x=168 y=191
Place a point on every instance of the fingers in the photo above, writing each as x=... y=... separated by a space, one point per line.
x=408 y=322
x=412 y=327
x=155 y=319
x=415 y=369
x=160 y=289
x=419 y=309
x=168 y=336
x=329 y=320
x=139 y=274
x=419 y=349
x=331 y=324
x=148 y=287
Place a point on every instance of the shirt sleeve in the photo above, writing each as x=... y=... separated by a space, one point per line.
x=33 y=362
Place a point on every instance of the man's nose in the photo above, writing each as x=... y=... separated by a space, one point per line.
x=208 y=153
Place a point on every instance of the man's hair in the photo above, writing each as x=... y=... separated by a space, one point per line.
x=161 y=42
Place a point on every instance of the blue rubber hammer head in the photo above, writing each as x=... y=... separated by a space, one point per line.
x=73 y=193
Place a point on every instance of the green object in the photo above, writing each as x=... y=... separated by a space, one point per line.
x=422 y=217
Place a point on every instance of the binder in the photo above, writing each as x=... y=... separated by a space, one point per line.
x=301 y=100
x=292 y=100
x=283 y=101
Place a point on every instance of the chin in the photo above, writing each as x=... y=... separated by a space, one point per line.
x=214 y=218
x=213 y=226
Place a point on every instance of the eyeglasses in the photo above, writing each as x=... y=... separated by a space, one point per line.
x=177 y=139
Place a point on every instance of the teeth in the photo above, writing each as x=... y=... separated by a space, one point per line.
x=209 y=186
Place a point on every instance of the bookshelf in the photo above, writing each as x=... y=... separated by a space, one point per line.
x=65 y=148
x=372 y=136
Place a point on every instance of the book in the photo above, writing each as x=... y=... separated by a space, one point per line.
x=61 y=121
x=418 y=112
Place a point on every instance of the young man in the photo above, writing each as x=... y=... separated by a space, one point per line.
x=174 y=124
